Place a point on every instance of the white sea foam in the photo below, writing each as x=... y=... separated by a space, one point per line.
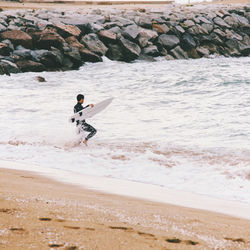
x=182 y=124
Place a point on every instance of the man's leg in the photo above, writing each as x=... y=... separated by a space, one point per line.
x=88 y=128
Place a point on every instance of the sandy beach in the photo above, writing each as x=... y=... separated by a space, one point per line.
x=81 y=7
x=36 y=212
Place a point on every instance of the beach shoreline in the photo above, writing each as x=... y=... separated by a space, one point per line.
x=51 y=213
x=137 y=190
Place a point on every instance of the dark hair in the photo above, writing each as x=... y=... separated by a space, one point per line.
x=79 y=97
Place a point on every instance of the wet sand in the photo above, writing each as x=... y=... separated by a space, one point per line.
x=37 y=212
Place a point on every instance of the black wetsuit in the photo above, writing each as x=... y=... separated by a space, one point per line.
x=84 y=125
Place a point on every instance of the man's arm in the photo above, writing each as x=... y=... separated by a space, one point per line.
x=89 y=105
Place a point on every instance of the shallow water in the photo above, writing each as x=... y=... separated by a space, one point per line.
x=180 y=124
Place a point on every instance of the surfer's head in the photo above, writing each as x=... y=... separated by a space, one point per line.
x=80 y=98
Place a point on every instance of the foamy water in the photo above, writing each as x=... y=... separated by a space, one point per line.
x=180 y=124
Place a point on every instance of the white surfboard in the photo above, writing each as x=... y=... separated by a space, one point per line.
x=90 y=111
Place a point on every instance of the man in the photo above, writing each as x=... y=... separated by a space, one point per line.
x=83 y=125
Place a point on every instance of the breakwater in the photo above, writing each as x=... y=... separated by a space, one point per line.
x=51 y=40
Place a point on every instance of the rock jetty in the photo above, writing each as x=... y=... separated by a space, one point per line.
x=50 y=40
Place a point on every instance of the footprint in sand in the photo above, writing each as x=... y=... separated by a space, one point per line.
x=71 y=248
x=17 y=229
x=177 y=241
x=60 y=220
x=72 y=227
x=240 y=240
x=54 y=245
x=147 y=235
x=173 y=240
x=45 y=219
x=190 y=242
x=7 y=210
x=122 y=228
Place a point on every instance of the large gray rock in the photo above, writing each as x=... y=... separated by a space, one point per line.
x=158 y=19
x=232 y=51
x=107 y=36
x=219 y=32
x=3 y=22
x=213 y=49
x=36 y=55
x=246 y=40
x=73 y=42
x=232 y=43
x=168 y=41
x=22 y=52
x=67 y=30
x=179 y=53
x=8 y=67
x=81 y=23
x=202 y=19
x=241 y=19
x=144 y=21
x=160 y=28
x=50 y=59
x=30 y=66
x=131 y=32
x=74 y=56
x=94 y=27
x=220 y=22
x=49 y=39
x=9 y=43
x=188 y=42
x=246 y=29
x=67 y=64
x=192 y=53
x=123 y=21
x=131 y=50
x=245 y=50
x=211 y=15
x=4 y=49
x=115 y=52
x=231 y=21
x=2 y=28
x=204 y=52
x=231 y=34
x=187 y=24
x=179 y=29
x=205 y=39
x=197 y=30
x=17 y=37
x=92 y=42
x=207 y=27
x=42 y=24
x=88 y=56
x=116 y=30
x=110 y=25
x=151 y=50
x=216 y=39
x=148 y=34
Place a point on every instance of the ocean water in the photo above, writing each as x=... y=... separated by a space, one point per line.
x=182 y=124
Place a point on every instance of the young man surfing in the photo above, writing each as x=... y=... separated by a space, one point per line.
x=84 y=126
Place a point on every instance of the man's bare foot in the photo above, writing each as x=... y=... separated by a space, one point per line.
x=85 y=142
